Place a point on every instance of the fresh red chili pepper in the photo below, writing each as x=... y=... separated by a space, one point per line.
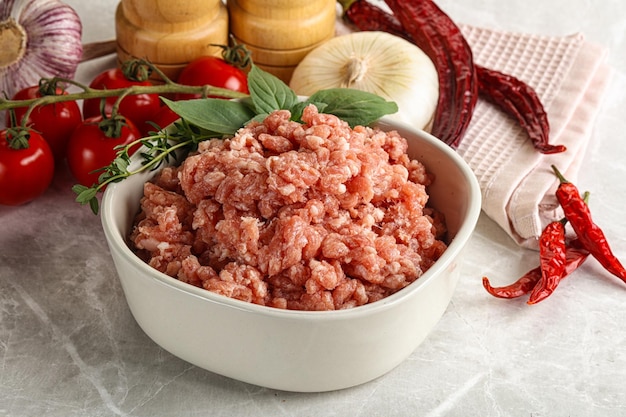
x=519 y=101
x=552 y=261
x=590 y=235
x=575 y=256
x=522 y=286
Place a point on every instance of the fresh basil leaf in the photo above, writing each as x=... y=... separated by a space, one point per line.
x=223 y=117
x=354 y=106
x=268 y=92
x=296 y=111
x=260 y=117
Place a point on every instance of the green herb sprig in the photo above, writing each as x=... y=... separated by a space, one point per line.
x=210 y=118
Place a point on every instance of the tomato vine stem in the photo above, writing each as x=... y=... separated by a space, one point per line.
x=167 y=87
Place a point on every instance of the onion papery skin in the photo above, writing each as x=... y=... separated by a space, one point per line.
x=389 y=66
x=53 y=45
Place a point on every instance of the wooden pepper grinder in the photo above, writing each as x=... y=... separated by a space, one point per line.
x=279 y=33
x=170 y=33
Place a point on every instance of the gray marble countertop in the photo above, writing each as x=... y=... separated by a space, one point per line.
x=70 y=347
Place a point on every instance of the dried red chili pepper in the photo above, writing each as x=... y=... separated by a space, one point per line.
x=552 y=261
x=575 y=256
x=424 y=24
x=590 y=235
x=521 y=102
x=511 y=94
x=366 y=16
x=441 y=39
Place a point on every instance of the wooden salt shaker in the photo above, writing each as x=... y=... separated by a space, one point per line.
x=170 y=33
x=279 y=33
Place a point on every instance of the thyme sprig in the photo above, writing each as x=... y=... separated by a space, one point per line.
x=162 y=147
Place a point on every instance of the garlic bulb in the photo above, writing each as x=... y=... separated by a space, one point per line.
x=376 y=62
x=38 y=39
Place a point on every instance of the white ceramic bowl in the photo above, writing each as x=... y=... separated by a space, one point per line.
x=297 y=350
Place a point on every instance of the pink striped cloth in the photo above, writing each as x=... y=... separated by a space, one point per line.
x=570 y=75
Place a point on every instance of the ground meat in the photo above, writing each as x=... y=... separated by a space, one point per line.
x=312 y=216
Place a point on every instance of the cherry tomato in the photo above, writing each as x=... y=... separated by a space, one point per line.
x=165 y=117
x=55 y=122
x=90 y=149
x=211 y=70
x=24 y=173
x=139 y=108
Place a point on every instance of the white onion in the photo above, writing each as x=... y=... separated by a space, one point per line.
x=38 y=39
x=376 y=62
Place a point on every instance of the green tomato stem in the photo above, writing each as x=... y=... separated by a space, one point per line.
x=89 y=93
x=166 y=87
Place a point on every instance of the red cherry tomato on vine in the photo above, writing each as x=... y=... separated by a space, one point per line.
x=55 y=122
x=24 y=173
x=90 y=149
x=165 y=117
x=139 y=108
x=214 y=71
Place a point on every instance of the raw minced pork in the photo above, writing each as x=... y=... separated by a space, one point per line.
x=312 y=216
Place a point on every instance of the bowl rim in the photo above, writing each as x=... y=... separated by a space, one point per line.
x=455 y=246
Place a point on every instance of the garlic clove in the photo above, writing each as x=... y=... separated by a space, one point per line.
x=376 y=62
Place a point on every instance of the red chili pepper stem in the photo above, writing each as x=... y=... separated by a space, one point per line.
x=345 y=4
x=559 y=175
